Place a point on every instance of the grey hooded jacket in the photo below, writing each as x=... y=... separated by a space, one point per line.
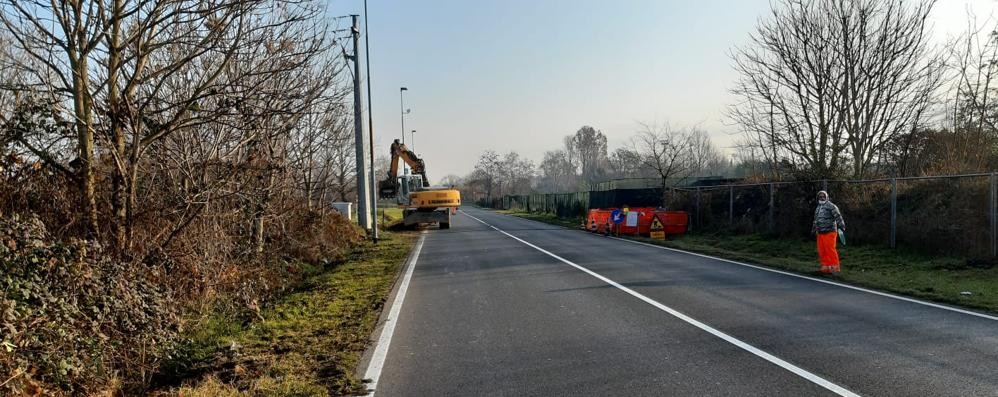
x=827 y=218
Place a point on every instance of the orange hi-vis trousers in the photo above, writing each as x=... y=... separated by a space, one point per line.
x=827 y=253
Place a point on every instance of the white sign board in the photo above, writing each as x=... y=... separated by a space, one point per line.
x=632 y=219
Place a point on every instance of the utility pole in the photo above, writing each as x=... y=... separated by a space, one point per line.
x=405 y=171
x=363 y=186
x=370 y=129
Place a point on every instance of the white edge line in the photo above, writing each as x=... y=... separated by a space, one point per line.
x=377 y=362
x=728 y=338
x=829 y=282
x=852 y=287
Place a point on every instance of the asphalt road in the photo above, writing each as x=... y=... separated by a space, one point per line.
x=499 y=305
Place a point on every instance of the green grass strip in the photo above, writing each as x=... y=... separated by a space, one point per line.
x=309 y=342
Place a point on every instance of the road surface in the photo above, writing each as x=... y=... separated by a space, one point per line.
x=499 y=305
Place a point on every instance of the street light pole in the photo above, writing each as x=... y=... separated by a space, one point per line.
x=403 y=112
x=363 y=192
x=370 y=130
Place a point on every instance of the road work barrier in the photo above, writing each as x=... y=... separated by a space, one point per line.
x=674 y=223
x=643 y=226
x=598 y=220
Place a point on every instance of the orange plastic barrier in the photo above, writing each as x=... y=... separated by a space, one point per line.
x=645 y=215
x=601 y=217
x=675 y=223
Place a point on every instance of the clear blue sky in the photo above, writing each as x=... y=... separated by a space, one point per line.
x=519 y=75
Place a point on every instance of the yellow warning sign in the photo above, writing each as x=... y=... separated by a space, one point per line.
x=656 y=230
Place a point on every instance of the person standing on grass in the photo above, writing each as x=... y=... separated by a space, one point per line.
x=827 y=222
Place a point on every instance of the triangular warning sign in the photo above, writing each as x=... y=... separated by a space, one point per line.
x=656 y=225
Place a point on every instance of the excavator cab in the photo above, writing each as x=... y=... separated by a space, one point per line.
x=400 y=187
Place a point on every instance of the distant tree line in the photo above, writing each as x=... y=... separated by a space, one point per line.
x=827 y=89
x=658 y=152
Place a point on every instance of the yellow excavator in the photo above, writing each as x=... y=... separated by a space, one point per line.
x=420 y=203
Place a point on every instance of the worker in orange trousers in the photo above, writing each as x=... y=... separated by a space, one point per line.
x=827 y=223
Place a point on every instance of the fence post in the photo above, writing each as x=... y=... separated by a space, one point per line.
x=772 y=199
x=994 y=214
x=698 y=208
x=894 y=212
x=731 y=205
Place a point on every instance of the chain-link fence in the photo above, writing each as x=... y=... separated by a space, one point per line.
x=564 y=205
x=950 y=215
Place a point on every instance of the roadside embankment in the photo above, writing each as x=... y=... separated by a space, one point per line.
x=309 y=342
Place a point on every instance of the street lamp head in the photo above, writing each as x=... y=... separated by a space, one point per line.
x=407 y=111
x=403 y=89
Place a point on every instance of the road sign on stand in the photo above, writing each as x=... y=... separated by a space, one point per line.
x=656 y=229
x=617 y=216
x=632 y=219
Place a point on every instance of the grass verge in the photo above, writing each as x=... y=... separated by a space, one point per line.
x=309 y=342
x=389 y=216
x=949 y=280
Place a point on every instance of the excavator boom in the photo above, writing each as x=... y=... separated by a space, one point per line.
x=389 y=188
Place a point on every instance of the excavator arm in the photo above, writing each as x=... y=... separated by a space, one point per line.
x=389 y=187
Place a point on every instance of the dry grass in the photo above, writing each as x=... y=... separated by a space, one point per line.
x=309 y=342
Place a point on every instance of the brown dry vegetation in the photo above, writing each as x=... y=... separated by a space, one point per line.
x=161 y=162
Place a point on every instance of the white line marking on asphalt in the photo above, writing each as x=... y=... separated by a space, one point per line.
x=713 y=331
x=829 y=282
x=381 y=348
x=852 y=287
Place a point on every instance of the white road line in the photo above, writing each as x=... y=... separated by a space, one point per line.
x=381 y=348
x=829 y=282
x=713 y=331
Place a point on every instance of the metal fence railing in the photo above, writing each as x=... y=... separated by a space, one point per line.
x=565 y=205
x=950 y=215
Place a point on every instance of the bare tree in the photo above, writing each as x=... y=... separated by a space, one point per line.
x=451 y=180
x=516 y=174
x=557 y=173
x=59 y=59
x=976 y=63
x=829 y=82
x=705 y=159
x=341 y=162
x=488 y=173
x=968 y=140
x=625 y=162
x=666 y=151
x=590 y=147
